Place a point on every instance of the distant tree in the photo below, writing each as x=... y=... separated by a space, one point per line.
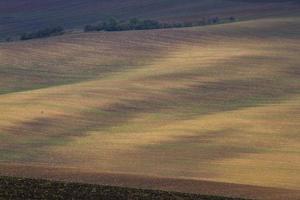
x=8 y=39
x=232 y=18
x=24 y=36
x=147 y=24
x=215 y=20
x=43 y=33
x=112 y=25
x=89 y=28
x=200 y=23
x=166 y=25
x=133 y=23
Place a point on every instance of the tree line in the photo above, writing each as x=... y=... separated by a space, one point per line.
x=43 y=33
x=113 y=24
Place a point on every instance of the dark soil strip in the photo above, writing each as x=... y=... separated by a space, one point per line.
x=21 y=188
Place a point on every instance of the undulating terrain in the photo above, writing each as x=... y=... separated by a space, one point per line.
x=217 y=103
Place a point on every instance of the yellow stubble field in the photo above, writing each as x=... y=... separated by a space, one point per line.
x=218 y=103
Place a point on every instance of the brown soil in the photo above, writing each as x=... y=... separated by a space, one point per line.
x=145 y=182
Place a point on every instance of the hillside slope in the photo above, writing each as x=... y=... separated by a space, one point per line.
x=219 y=103
x=19 y=16
x=27 y=189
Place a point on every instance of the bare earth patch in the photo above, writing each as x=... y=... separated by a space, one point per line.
x=147 y=182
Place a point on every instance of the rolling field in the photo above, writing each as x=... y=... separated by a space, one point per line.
x=218 y=103
x=19 y=16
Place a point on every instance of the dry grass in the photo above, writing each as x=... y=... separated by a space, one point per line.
x=219 y=103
